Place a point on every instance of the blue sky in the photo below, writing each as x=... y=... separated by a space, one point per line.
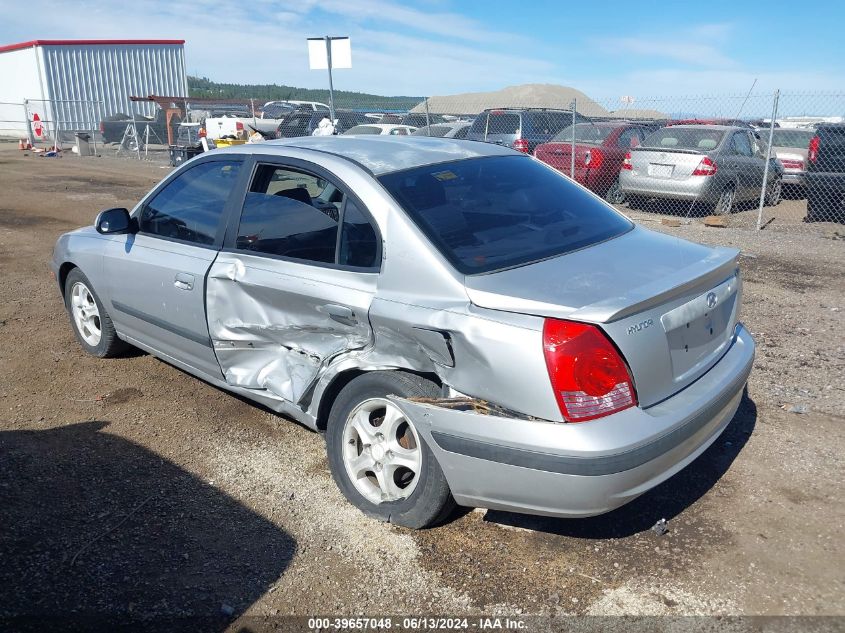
x=606 y=49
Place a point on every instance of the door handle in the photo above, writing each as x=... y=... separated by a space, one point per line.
x=341 y=314
x=184 y=281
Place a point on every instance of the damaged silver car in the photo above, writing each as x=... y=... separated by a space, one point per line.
x=465 y=324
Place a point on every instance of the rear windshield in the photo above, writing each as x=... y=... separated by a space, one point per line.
x=684 y=138
x=502 y=122
x=497 y=212
x=433 y=130
x=586 y=133
x=363 y=129
x=789 y=138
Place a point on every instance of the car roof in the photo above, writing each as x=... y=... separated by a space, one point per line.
x=720 y=128
x=383 y=154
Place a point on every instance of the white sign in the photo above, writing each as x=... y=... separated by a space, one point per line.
x=627 y=100
x=341 y=53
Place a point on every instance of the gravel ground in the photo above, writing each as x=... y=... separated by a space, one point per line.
x=131 y=488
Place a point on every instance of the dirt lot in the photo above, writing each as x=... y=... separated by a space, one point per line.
x=131 y=488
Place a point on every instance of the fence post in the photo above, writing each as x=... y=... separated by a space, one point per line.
x=29 y=133
x=427 y=118
x=572 y=149
x=768 y=160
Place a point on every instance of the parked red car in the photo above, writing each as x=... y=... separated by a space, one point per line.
x=599 y=151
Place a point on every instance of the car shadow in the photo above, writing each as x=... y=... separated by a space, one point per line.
x=667 y=500
x=99 y=531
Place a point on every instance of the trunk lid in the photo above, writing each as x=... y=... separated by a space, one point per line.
x=670 y=165
x=670 y=306
x=559 y=156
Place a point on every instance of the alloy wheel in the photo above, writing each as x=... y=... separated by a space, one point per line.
x=382 y=452
x=86 y=314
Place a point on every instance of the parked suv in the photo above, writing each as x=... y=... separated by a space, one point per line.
x=826 y=174
x=521 y=128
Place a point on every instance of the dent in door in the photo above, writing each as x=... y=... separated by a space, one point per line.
x=271 y=330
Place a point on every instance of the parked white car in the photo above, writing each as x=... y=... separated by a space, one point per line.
x=382 y=129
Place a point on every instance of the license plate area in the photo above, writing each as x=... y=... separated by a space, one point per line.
x=699 y=330
x=660 y=171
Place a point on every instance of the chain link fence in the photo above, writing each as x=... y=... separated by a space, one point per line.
x=50 y=123
x=769 y=161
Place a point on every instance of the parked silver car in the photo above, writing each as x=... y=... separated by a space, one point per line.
x=715 y=166
x=464 y=323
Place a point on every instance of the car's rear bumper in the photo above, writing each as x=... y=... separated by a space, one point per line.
x=559 y=469
x=794 y=178
x=700 y=188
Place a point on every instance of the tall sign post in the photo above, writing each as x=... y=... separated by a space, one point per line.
x=329 y=52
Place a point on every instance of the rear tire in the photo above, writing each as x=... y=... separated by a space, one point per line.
x=615 y=195
x=375 y=471
x=725 y=203
x=91 y=323
x=774 y=193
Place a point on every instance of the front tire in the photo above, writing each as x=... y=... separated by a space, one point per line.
x=91 y=323
x=378 y=457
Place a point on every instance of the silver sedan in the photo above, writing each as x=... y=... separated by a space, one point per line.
x=713 y=166
x=463 y=323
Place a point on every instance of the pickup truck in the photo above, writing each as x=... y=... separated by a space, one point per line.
x=113 y=127
x=239 y=126
x=825 y=175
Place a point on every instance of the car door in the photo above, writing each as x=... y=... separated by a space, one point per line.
x=156 y=276
x=292 y=287
x=748 y=174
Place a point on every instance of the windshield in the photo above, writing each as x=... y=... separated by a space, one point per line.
x=586 y=133
x=789 y=138
x=669 y=138
x=497 y=212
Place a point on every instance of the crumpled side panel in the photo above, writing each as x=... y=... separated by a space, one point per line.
x=271 y=330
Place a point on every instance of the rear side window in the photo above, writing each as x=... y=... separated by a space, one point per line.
x=741 y=145
x=491 y=213
x=293 y=214
x=190 y=207
x=684 y=138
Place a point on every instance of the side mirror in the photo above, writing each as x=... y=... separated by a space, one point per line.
x=113 y=221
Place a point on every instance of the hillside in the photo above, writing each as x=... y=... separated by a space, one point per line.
x=205 y=88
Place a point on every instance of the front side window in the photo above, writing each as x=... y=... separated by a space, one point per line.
x=190 y=207
x=293 y=214
x=485 y=214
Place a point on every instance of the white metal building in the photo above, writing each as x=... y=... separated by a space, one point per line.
x=73 y=84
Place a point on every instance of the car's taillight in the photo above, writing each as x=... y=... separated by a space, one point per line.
x=707 y=167
x=813 y=150
x=520 y=145
x=593 y=159
x=626 y=163
x=201 y=133
x=239 y=126
x=588 y=375
x=102 y=128
x=790 y=163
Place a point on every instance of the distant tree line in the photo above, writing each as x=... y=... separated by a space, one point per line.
x=203 y=87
